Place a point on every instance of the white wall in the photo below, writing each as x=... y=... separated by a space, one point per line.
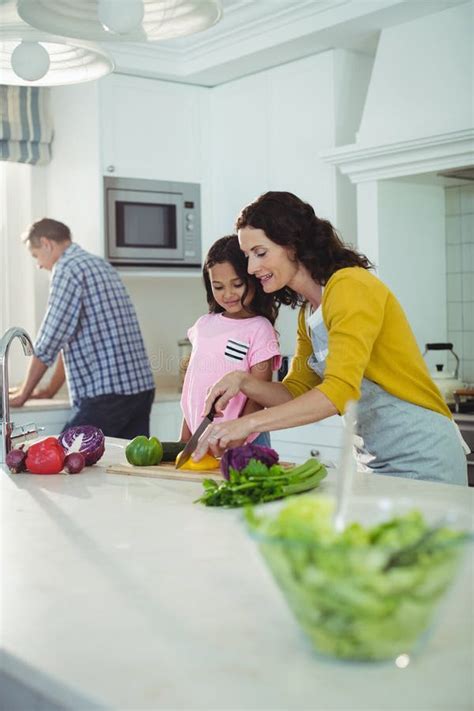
x=422 y=81
x=166 y=308
x=412 y=257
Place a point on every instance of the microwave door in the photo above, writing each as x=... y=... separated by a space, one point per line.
x=145 y=227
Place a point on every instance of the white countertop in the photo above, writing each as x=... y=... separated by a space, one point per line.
x=167 y=393
x=124 y=591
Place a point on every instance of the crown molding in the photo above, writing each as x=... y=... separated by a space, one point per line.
x=254 y=35
x=411 y=157
x=247 y=22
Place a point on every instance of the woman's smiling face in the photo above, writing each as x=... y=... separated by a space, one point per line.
x=269 y=262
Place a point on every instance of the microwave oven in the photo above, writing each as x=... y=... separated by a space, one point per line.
x=152 y=223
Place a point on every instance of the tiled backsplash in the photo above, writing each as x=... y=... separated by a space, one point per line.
x=460 y=275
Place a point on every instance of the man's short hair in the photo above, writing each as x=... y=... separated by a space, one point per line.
x=51 y=229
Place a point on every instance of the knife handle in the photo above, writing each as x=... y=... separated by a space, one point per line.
x=212 y=412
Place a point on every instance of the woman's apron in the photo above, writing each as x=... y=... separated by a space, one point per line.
x=397 y=437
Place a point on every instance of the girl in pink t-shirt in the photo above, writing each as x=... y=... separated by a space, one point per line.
x=236 y=334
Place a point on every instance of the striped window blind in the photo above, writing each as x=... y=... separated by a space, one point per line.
x=26 y=129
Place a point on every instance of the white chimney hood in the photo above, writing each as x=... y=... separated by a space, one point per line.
x=419 y=111
x=428 y=154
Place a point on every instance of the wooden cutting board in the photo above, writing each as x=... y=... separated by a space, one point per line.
x=165 y=471
x=168 y=471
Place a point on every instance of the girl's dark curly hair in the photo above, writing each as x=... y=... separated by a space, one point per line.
x=290 y=222
x=227 y=249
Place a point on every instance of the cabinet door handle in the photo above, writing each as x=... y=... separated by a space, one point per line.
x=315 y=452
x=110 y=168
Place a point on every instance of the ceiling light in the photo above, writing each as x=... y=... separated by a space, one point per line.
x=30 y=61
x=118 y=20
x=68 y=63
x=120 y=17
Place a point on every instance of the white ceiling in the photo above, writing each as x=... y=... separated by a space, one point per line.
x=257 y=34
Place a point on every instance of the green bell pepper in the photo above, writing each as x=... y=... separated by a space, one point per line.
x=144 y=452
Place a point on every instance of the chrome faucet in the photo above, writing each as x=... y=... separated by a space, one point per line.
x=8 y=432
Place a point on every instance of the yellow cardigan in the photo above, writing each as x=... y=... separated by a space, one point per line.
x=369 y=336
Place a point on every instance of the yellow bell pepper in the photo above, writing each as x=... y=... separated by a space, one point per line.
x=207 y=462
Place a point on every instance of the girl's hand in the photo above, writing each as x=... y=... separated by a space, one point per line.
x=221 y=436
x=224 y=390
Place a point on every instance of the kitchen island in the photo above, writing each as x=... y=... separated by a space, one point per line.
x=118 y=592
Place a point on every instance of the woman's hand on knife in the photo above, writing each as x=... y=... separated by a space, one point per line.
x=222 y=435
x=224 y=390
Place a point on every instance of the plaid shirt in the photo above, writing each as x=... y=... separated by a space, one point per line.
x=91 y=318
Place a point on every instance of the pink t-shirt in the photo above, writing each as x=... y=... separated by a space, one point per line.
x=221 y=345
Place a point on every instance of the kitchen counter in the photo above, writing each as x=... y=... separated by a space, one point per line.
x=163 y=393
x=119 y=592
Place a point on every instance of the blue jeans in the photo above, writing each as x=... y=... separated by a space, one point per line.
x=125 y=416
x=263 y=439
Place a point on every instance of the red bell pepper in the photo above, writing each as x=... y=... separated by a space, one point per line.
x=45 y=457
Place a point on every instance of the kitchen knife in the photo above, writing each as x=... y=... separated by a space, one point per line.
x=193 y=442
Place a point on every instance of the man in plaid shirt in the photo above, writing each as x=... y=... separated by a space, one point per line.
x=91 y=321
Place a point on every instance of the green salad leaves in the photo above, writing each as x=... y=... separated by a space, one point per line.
x=350 y=603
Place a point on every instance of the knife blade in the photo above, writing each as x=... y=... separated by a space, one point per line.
x=193 y=442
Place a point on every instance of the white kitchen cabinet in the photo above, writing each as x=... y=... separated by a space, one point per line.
x=151 y=129
x=239 y=121
x=321 y=440
x=165 y=421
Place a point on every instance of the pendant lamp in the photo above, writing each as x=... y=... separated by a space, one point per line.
x=50 y=63
x=32 y=58
x=121 y=20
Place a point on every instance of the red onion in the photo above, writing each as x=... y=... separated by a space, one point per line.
x=74 y=463
x=16 y=460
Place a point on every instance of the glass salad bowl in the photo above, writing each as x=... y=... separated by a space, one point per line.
x=371 y=592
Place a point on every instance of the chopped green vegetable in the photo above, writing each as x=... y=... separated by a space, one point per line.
x=350 y=604
x=257 y=483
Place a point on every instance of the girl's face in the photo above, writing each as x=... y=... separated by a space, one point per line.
x=269 y=262
x=228 y=289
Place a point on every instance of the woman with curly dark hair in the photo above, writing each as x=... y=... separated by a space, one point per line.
x=353 y=343
x=236 y=335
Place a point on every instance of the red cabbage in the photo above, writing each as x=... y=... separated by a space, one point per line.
x=86 y=439
x=239 y=457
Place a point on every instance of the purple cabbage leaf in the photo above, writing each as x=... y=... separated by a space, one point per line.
x=238 y=457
